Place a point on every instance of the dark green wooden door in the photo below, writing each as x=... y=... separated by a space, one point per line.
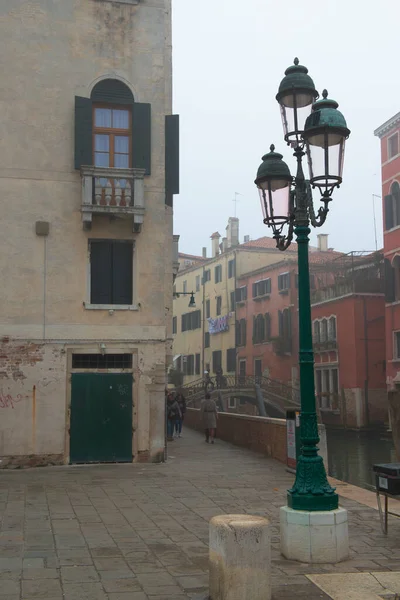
x=101 y=418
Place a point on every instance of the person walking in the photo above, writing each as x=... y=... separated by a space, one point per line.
x=173 y=413
x=209 y=415
x=180 y=398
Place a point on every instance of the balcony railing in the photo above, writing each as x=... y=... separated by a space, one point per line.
x=111 y=191
x=282 y=345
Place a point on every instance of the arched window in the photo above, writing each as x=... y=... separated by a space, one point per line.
x=259 y=329
x=111 y=129
x=392 y=206
x=324 y=330
x=112 y=103
x=316 y=332
x=267 y=318
x=332 y=329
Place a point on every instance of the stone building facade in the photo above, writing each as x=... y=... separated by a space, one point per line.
x=88 y=170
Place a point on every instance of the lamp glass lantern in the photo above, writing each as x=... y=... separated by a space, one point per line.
x=295 y=96
x=325 y=135
x=273 y=182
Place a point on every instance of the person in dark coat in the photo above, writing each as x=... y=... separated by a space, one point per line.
x=209 y=415
x=173 y=413
x=180 y=398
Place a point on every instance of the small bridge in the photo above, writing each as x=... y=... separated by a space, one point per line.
x=271 y=397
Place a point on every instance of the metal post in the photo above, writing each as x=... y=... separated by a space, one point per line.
x=311 y=490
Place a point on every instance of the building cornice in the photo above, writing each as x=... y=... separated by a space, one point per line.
x=387 y=126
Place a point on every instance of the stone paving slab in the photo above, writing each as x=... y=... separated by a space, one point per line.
x=140 y=532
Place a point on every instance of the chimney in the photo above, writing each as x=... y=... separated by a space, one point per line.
x=224 y=244
x=215 y=243
x=204 y=252
x=246 y=238
x=323 y=242
x=232 y=232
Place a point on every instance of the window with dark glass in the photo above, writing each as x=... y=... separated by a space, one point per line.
x=218 y=273
x=219 y=305
x=216 y=360
x=231 y=360
x=241 y=332
x=208 y=309
x=397 y=344
x=111 y=279
x=174 y=324
x=232 y=301
x=206 y=340
x=392 y=207
x=197 y=367
x=231 y=268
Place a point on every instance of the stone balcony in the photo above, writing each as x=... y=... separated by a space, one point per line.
x=113 y=192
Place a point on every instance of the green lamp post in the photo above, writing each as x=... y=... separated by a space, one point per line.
x=319 y=131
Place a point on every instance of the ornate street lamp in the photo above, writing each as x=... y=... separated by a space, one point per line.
x=316 y=129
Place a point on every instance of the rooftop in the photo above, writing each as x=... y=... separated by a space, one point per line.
x=387 y=126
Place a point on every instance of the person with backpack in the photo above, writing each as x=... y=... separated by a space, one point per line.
x=173 y=413
x=180 y=398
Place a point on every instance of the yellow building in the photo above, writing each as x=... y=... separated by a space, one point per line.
x=204 y=335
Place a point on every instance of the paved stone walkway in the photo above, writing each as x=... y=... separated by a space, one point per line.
x=140 y=532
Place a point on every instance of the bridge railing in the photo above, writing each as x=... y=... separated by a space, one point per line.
x=241 y=382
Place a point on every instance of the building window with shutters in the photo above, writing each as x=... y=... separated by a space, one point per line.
x=111 y=273
x=231 y=360
x=241 y=332
x=216 y=360
x=207 y=275
x=206 y=340
x=208 y=309
x=258 y=329
x=197 y=283
x=233 y=301
x=262 y=288
x=393 y=145
x=231 y=268
x=219 y=305
x=112 y=133
x=175 y=325
x=284 y=283
x=392 y=207
x=197 y=366
x=241 y=294
x=191 y=321
x=283 y=344
x=218 y=273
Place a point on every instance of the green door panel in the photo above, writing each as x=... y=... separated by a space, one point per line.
x=101 y=417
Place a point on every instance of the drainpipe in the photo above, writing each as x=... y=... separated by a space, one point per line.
x=366 y=381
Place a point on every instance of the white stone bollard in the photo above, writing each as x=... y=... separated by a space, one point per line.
x=240 y=558
x=314 y=537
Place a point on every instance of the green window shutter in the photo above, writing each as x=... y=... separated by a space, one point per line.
x=83 y=132
x=141 y=137
x=100 y=272
x=171 y=157
x=122 y=262
x=389 y=221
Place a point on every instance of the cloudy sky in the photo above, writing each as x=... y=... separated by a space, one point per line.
x=229 y=58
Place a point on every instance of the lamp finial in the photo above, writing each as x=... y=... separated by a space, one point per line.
x=325 y=94
x=272 y=147
x=296 y=61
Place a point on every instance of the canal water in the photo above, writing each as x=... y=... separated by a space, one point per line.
x=351 y=455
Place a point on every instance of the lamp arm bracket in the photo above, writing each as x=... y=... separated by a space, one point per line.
x=317 y=220
x=283 y=241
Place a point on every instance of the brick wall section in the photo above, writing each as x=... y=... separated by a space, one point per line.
x=258 y=434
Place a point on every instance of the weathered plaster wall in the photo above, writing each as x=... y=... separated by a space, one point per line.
x=54 y=50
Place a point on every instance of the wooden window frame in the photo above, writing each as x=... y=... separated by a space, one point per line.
x=110 y=131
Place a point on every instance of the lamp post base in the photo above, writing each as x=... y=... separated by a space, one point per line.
x=314 y=536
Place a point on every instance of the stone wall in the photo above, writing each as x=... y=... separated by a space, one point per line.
x=259 y=434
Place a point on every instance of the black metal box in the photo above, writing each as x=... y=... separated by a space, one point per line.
x=388 y=478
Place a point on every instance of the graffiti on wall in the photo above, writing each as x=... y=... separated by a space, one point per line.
x=9 y=401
